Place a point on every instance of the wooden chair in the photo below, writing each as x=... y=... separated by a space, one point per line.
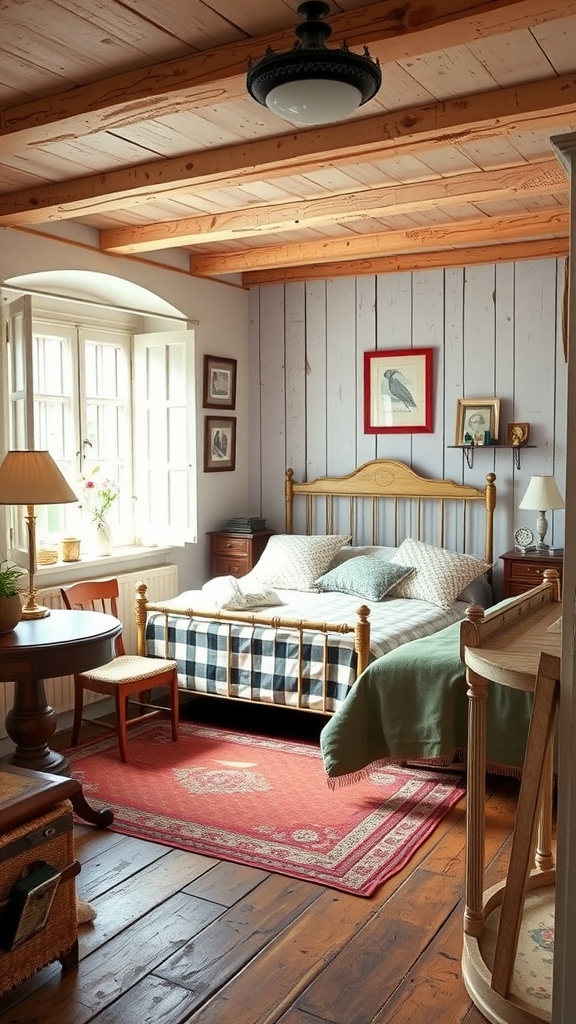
x=125 y=675
x=507 y=647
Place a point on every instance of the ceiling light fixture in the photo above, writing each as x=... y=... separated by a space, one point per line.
x=311 y=84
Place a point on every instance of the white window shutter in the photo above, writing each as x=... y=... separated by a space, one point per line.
x=164 y=433
x=21 y=427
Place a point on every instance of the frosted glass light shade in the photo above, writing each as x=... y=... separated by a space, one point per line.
x=318 y=101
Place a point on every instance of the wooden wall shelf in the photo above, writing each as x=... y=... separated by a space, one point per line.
x=469 y=450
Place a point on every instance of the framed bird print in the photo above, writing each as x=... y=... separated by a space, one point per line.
x=398 y=391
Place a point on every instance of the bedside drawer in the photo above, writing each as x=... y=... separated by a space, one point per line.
x=228 y=545
x=522 y=572
x=235 y=554
x=227 y=565
x=530 y=572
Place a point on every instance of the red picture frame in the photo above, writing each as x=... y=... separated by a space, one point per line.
x=398 y=391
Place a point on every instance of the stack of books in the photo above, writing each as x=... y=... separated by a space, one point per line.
x=245 y=524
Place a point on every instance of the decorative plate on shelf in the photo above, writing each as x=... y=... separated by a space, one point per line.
x=523 y=538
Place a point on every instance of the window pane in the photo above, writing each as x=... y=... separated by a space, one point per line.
x=106 y=434
x=54 y=420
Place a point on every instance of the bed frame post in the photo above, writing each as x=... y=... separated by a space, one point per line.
x=140 y=610
x=490 y=506
x=289 y=499
x=362 y=639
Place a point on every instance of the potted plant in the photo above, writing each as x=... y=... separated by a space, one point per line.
x=10 y=601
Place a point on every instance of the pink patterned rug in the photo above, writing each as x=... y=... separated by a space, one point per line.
x=264 y=802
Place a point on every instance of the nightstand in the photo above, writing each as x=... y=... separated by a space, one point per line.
x=523 y=571
x=235 y=554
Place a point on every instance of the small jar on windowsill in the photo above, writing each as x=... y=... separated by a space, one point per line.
x=70 y=549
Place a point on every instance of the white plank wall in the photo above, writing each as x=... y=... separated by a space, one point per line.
x=495 y=331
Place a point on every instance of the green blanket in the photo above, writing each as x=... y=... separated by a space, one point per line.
x=411 y=704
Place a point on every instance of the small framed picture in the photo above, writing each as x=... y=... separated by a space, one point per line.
x=477 y=421
x=219 y=383
x=517 y=434
x=398 y=391
x=219 y=443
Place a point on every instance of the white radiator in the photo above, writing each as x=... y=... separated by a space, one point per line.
x=162 y=583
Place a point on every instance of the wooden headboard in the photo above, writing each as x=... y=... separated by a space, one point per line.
x=384 y=501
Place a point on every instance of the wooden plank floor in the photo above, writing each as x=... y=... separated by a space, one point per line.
x=185 y=938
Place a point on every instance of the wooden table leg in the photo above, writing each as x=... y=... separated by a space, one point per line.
x=30 y=723
x=475 y=799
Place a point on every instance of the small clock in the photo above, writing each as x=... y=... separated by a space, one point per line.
x=523 y=538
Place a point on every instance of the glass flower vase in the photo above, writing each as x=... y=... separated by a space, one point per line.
x=102 y=539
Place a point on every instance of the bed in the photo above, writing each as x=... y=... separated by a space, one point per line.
x=412 y=704
x=288 y=634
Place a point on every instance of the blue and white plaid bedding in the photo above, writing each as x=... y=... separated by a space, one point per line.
x=264 y=661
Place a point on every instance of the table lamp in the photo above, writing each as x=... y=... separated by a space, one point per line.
x=32 y=478
x=542 y=493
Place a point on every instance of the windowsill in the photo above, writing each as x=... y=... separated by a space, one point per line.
x=123 y=559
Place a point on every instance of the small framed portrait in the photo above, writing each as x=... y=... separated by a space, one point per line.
x=219 y=443
x=517 y=434
x=477 y=421
x=219 y=390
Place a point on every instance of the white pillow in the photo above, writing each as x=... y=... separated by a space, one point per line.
x=361 y=551
x=227 y=592
x=477 y=592
x=294 y=561
x=440 y=574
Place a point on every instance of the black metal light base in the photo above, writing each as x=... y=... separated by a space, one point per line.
x=310 y=60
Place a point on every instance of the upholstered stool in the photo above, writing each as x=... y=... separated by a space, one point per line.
x=38 y=922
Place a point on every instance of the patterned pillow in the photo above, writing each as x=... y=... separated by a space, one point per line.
x=294 y=561
x=364 y=576
x=440 y=574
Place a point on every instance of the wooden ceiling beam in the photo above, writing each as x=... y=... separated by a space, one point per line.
x=452 y=235
x=540 y=248
x=393 y=31
x=549 y=105
x=546 y=178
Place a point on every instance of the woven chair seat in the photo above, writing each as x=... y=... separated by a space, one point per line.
x=129 y=667
x=125 y=675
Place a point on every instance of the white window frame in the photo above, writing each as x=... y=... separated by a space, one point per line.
x=19 y=426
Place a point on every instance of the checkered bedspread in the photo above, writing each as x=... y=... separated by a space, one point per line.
x=264 y=662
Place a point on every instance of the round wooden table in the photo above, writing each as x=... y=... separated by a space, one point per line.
x=63 y=643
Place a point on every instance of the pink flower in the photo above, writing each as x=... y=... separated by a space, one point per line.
x=100 y=495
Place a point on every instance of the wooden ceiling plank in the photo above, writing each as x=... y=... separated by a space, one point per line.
x=557 y=40
x=513 y=58
x=511 y=252
x=391 y=30
x=459 y=234
x=542 y=179
x=535 y=106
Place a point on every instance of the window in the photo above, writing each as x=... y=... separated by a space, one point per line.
x=108 y=400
